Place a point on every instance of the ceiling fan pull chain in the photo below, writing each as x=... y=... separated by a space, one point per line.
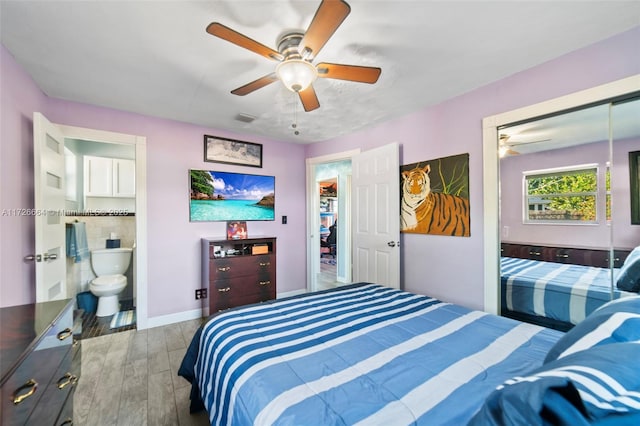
x=295 y=117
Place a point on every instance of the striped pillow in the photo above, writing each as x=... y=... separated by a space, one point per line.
x=629 y=277
x=615 y=321
x=597 y=386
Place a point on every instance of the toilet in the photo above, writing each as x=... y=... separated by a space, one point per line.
x=109 y=265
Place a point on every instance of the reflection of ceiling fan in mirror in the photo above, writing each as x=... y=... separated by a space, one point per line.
x=509 y=147
x=296 y=51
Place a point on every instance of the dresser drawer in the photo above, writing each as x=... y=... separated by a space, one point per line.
x=57 y=392
x=228 y=293
x=25 y=388
x=240 y=266
x=66 y=414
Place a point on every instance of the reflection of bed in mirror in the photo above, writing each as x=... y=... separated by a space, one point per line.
x=554 y=286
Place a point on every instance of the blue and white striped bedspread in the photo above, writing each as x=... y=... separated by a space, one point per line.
x=365 y=355
x=558 y=291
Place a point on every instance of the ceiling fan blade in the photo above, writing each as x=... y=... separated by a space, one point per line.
x=232 y=36
x=505 y=151
x=309 y=99
x=505 y=140
x=349 y=72
x=255 y=85
x=325 y=22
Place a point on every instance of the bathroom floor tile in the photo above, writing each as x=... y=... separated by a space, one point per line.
x=94 y=326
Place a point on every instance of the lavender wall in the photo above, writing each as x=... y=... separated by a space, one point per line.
x=588 y=236
x=172 y=149
x=625 y=235
x=20 y=98
x=451 y=268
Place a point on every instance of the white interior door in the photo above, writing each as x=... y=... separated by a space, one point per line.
x=49 y=191
x=376 y=216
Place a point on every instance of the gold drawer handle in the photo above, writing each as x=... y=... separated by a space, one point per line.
x=265 y=263
x=264 y=282
x=67 y=422
x=224 y=290
x=67 y=379
x=224 y=268
x=32 y=385
x=64 y=334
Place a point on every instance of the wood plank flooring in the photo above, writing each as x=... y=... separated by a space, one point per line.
x=327 y=276
x=130 y=378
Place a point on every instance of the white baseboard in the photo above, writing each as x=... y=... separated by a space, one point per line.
x=174 y=318
x=291 y=293
x=197 y=313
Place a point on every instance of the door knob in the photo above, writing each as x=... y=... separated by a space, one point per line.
x=48 y=256
x=391 y=244
x=29 y=258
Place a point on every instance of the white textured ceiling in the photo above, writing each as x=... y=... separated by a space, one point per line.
x=155 y=58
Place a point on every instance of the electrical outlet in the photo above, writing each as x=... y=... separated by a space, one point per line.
x=201 y=293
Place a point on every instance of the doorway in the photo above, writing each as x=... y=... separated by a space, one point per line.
x=137 y=146
x=328 y=277
x=100 y=198
x=368 y=236
x=329 y=202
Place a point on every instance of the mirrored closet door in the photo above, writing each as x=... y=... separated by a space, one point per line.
x=565 y=217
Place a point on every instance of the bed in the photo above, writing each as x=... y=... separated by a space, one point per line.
x=370 y=355
x=364 y=354
x=554 y=294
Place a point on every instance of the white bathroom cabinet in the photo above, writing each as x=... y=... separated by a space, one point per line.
x=109 y=177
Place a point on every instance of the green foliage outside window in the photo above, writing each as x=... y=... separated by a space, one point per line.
x=562 y=197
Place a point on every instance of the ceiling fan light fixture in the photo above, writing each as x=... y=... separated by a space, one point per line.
x=296 y=74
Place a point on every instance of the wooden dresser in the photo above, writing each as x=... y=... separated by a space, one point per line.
x=238 y=272
x=575 y=256
x=40 y=363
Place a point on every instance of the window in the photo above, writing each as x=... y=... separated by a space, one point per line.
x=561 y=196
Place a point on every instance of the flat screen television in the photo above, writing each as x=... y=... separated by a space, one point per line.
x=223 y=196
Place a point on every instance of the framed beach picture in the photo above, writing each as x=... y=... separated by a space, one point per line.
x=230 y=197
x=231 y=151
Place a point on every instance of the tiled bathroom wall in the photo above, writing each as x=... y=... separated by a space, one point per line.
x=99 y=229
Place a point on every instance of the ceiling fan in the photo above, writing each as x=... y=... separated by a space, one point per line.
x=295 y=54
x=505 y=147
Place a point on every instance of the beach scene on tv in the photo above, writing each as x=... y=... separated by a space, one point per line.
x=223 y=196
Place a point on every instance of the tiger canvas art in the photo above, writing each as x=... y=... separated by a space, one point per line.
x=440 y=207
